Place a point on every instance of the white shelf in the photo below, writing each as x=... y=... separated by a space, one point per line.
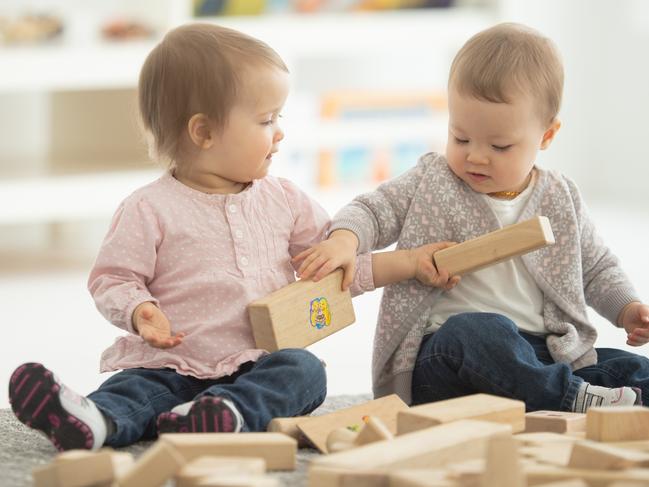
x=67 y=198
x=109 y=65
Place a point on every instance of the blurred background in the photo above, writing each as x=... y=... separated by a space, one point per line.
x=368 y=97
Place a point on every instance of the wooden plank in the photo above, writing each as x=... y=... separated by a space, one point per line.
x=503 y=467
x=495 y=247
x=484 y=407
x=157 y=464
x=317 y=428
x=617 y=423
x=277 y=449
x=600 y=456
x=288 y=426
x=431 y=447
x=301 y=313
x=555 y=421
x=203 y=468
x=374 y=430
x=538 y=475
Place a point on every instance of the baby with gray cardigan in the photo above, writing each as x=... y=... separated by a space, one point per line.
x=517 y=329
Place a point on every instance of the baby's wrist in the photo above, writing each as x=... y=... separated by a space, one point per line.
x=347 y=237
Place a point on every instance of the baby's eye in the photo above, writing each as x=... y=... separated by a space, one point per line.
x=461 y=141
x=501 y=148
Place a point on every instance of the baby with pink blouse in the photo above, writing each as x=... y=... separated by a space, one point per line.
x=185 y=254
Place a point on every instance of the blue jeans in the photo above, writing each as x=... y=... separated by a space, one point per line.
x=289 y=382
x=486 y=352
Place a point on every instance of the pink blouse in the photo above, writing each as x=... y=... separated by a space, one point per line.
x=202 y=258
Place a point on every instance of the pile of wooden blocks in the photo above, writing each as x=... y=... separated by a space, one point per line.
x=473 y=441
x=191 y=459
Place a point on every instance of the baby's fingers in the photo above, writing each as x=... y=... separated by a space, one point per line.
x=303 y=255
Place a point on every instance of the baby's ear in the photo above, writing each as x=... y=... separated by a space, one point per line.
x=200 y=131
x=549 y=134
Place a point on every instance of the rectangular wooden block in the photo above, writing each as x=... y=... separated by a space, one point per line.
x=78 y=468
x=600 y=456
x=495 y=247
x=157 y=464
x=301 y=313
x=288 y=426
x=277 y=449
x=211 y=466
x=618 y=423
x=317 y=428
x=555 y=422
x=430 y=448
x=483 y=407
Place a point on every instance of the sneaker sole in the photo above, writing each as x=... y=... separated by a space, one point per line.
x=33 y=394
x=208 y=415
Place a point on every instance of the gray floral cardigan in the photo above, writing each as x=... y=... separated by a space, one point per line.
x=430 y=204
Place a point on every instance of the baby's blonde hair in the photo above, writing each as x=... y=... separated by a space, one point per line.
x=196 y=68
x=507 y=59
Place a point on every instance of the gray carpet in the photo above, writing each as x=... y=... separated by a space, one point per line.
x=22 y=449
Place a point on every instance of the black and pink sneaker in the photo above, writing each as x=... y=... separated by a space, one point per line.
x=209 y=414
x=41 y=401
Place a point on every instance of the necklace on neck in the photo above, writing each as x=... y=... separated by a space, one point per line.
x=508 y=195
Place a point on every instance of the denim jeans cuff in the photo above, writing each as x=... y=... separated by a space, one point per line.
x=571 y=393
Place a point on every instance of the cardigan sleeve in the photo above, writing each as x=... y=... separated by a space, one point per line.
x=607 y=287
x=377 y=217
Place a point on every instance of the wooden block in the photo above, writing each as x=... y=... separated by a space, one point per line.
x=431 y=447
x=617 y=423
x=503 y=467
x=159 y=463
x=539 y=475
x=78 y=468
x=122 y=461
x=317 y=428
x=277 y=449
x=555 y=421
x=335 y=477
x=421 y=478
x=566 y=483
x=557 y=453
x=288 y=426
x=45 y=476
x=238 y=481
x=374 y=430
x=595 y=455
x=301 y=313
x=495 y=247
x=341 y=439
x=543 y=438
x=484 y=407
x=211 y=466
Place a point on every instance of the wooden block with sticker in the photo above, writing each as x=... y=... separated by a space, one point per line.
x=301 y=313
x=495 y=247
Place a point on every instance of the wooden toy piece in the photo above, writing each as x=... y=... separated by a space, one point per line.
x=122 y=461
x=317 y=428
x=237 y=481
x=420 y=478
x=159 y=463
x=495 y=247
x=301 y=313
x=277 y=449
x=373 y=430
x=429 y=448
x=45 y=476
x=556 y=453
x=288 y=426
x=77 y=468
x=341 y=439
x=555 y=421
x=594 y=455
x=211 y=466
x=503 y=467
x=566 y=483
x=543 y=438
x=617 y=423
x=594 y=478
x=476 y=406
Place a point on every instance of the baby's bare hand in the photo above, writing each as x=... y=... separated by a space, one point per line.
x=425 y=270
x=154 y=327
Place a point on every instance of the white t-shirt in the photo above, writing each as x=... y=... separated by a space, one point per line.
x=506 y=288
